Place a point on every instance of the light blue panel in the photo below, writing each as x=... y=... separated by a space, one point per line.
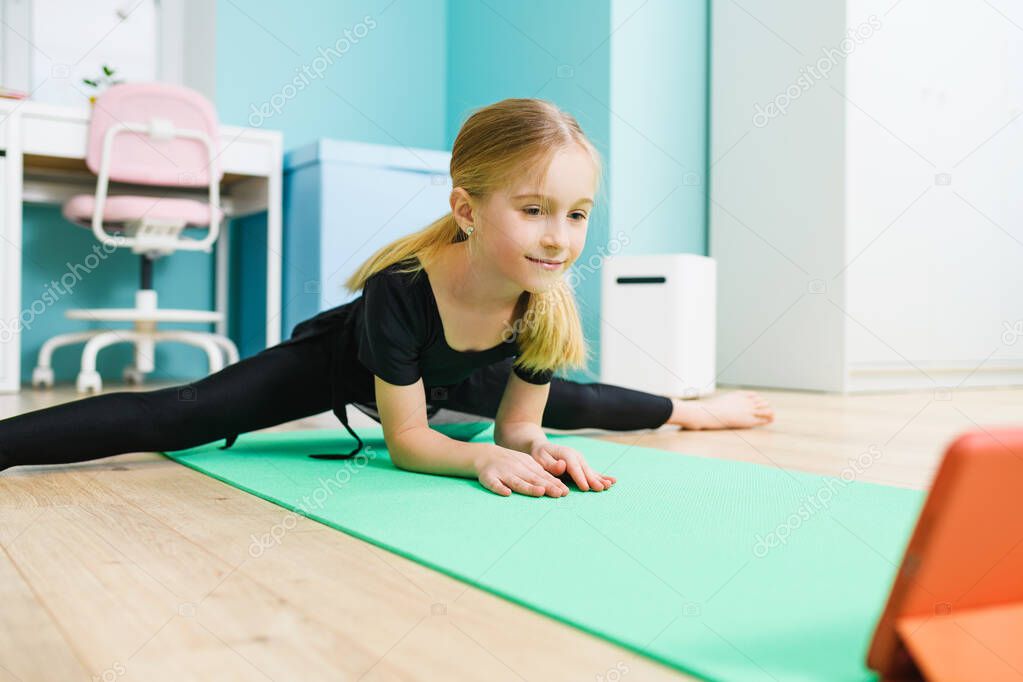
x=557 y=51
x=376 y=207
x=343 y=201
x=659 y=131
x=64 y=267
x=370 y=70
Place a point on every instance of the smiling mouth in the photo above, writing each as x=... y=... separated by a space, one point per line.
x=545 y=261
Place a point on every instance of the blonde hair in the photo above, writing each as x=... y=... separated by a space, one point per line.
x=496 y=145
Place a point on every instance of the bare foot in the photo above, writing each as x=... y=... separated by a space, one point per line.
x=736 y=410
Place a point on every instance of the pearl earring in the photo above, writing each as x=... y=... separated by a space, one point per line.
x=468 y=230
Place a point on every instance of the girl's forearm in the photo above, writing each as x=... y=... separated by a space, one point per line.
x=428 y=451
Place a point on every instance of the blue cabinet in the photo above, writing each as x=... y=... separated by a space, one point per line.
x=342 y=202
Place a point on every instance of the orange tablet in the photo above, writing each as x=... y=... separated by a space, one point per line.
x=955 y=611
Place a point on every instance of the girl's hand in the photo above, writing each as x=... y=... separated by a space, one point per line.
x=557 y=459
x=503 y=470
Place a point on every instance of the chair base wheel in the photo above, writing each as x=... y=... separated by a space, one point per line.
x=89 y=381
x=133 y=375
x=42 y=377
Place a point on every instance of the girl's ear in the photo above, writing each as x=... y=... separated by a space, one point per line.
x=461 y=207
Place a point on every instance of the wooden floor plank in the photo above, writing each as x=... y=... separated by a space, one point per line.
x=34 y=647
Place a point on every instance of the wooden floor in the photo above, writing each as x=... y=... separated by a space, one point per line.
x=137 y=568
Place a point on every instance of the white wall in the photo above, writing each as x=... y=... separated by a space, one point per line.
x=869 y=236
x=776 y=209
x=942 y=277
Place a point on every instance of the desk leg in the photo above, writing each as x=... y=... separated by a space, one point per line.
x=11 y=172
x=222 y=276
x=274 y=250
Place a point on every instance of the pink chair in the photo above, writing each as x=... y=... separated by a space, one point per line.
x=159 y=135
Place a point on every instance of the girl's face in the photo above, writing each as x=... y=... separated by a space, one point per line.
x=532 y=235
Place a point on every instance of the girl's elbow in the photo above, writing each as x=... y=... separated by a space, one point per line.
x=401 y=446
x=398 y=454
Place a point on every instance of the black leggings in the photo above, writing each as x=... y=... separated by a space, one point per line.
x=279 y=384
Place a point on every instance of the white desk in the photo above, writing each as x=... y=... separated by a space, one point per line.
x=42 y=160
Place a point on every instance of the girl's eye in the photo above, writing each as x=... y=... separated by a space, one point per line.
x=535 y=210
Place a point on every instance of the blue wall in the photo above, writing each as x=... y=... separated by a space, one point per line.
x=386 y=86
x=408 y=73
x=557 y=51
x=659 y=130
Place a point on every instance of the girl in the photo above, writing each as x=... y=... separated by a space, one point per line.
x=471 y=314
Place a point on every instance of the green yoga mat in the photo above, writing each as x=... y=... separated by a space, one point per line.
x=725 y=570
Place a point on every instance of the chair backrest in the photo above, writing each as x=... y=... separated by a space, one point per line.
x=140 y=158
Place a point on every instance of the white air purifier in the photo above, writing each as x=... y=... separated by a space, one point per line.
x=658 y=324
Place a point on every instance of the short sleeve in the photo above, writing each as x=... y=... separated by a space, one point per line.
x=540 y=377
x=389 y=337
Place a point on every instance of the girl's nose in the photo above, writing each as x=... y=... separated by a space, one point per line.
x=555 y=236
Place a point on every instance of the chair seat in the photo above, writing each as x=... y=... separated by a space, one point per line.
x=121 y=209
x=134 y=314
